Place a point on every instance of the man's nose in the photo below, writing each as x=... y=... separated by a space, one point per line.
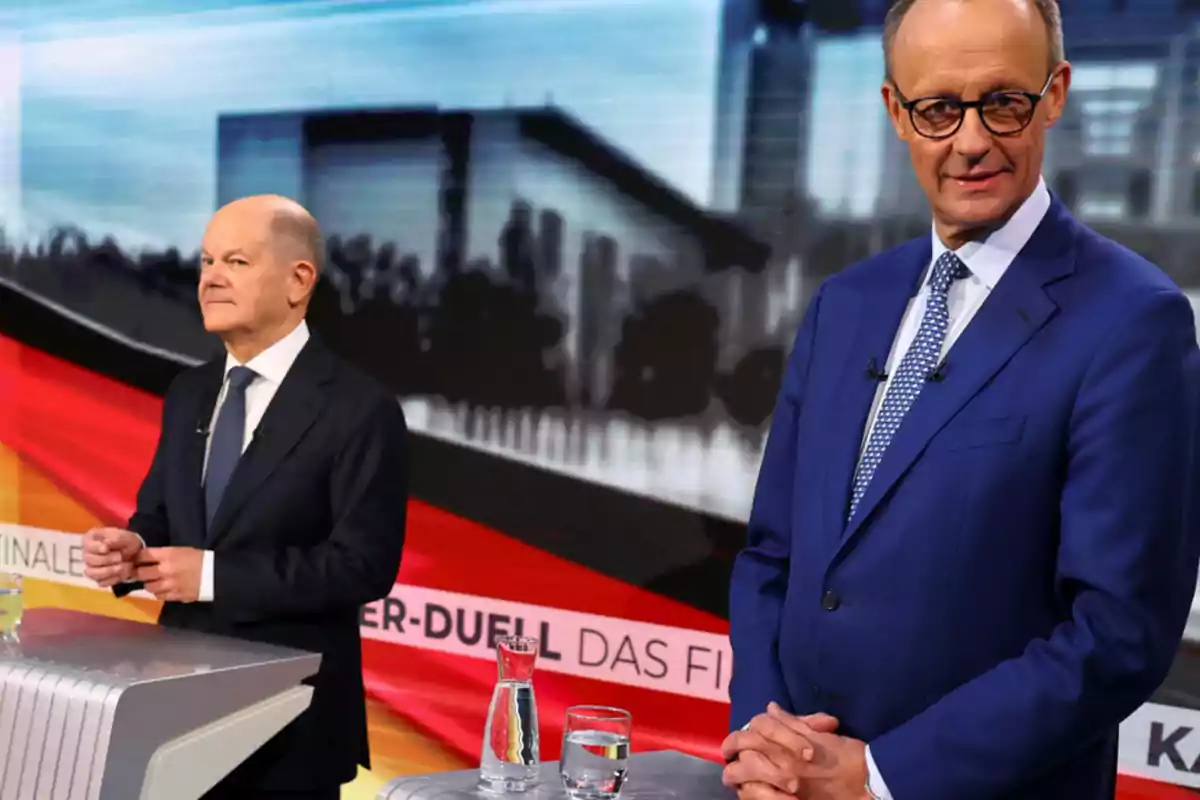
x=211 y=280
x=973 y=140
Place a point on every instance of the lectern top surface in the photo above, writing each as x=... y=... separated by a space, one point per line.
x=130 y=651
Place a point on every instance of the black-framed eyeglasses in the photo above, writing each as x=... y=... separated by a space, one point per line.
x=1002 y=113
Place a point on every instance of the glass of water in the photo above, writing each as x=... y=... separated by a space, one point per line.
x=595 y=752
x=10 y=607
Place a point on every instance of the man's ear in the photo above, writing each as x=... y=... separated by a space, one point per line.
x=893 y=104
x=304 y=281
x=1055 y=99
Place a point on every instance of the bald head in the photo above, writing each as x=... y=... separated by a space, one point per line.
x=1046 y=11
x=261 y=258
x=289 y=231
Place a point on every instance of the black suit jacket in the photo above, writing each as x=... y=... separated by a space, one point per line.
x=310 y=528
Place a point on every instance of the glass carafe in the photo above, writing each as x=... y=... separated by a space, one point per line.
x=510 y=758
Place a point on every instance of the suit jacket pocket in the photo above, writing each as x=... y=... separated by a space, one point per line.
x=969 y=434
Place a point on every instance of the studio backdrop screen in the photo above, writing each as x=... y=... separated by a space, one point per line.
x=575 y=237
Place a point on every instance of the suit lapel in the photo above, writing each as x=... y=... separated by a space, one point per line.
x=873 y=316
x=292 y=411
x=192 y=461
x=1015 y=310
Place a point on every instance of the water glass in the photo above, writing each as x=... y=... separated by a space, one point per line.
x=595 y=752
x=10 y=607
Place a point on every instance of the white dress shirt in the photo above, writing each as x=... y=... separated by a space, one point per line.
x=987 y=260
x=270 y=368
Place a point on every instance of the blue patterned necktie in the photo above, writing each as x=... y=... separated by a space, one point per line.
x=225 y=447
x=915 y=368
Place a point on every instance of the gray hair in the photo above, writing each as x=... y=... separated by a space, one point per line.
x=1049 y=10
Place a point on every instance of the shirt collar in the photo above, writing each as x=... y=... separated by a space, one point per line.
x=989 y=258
x=273 y=363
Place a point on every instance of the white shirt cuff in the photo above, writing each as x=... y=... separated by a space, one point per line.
x=206 y=578
x=875 y=780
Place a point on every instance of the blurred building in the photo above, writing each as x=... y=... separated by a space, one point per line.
x=763 y=104
x=1126 y=156
x=532 y=192
x=1126 y=147
x=760 y=158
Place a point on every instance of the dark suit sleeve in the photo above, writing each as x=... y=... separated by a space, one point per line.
x=760 y=571
x=358 y=563
x=149 y=519
x=1127 y=568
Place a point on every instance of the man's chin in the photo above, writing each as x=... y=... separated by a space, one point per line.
x=979 y=211
x=217 y=324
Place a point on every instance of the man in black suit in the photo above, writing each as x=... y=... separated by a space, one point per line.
x=275 y=505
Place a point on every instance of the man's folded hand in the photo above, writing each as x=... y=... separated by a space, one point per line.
x=108 y=555
x=171 y=573
x=780 y=755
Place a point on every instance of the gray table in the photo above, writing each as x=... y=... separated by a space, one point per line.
x=663 y=774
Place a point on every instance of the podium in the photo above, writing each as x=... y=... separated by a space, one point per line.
x=96 y=708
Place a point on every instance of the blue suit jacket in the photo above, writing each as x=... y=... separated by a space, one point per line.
x=1019 y=573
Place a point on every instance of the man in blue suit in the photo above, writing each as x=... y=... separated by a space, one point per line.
x=973 y=549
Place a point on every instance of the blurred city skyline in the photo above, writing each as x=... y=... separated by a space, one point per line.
x=104 y=112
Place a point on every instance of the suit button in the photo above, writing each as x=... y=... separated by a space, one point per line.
x=830 y=601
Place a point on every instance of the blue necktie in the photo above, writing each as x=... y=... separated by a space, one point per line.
x=915 y=368
x=225 y=447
